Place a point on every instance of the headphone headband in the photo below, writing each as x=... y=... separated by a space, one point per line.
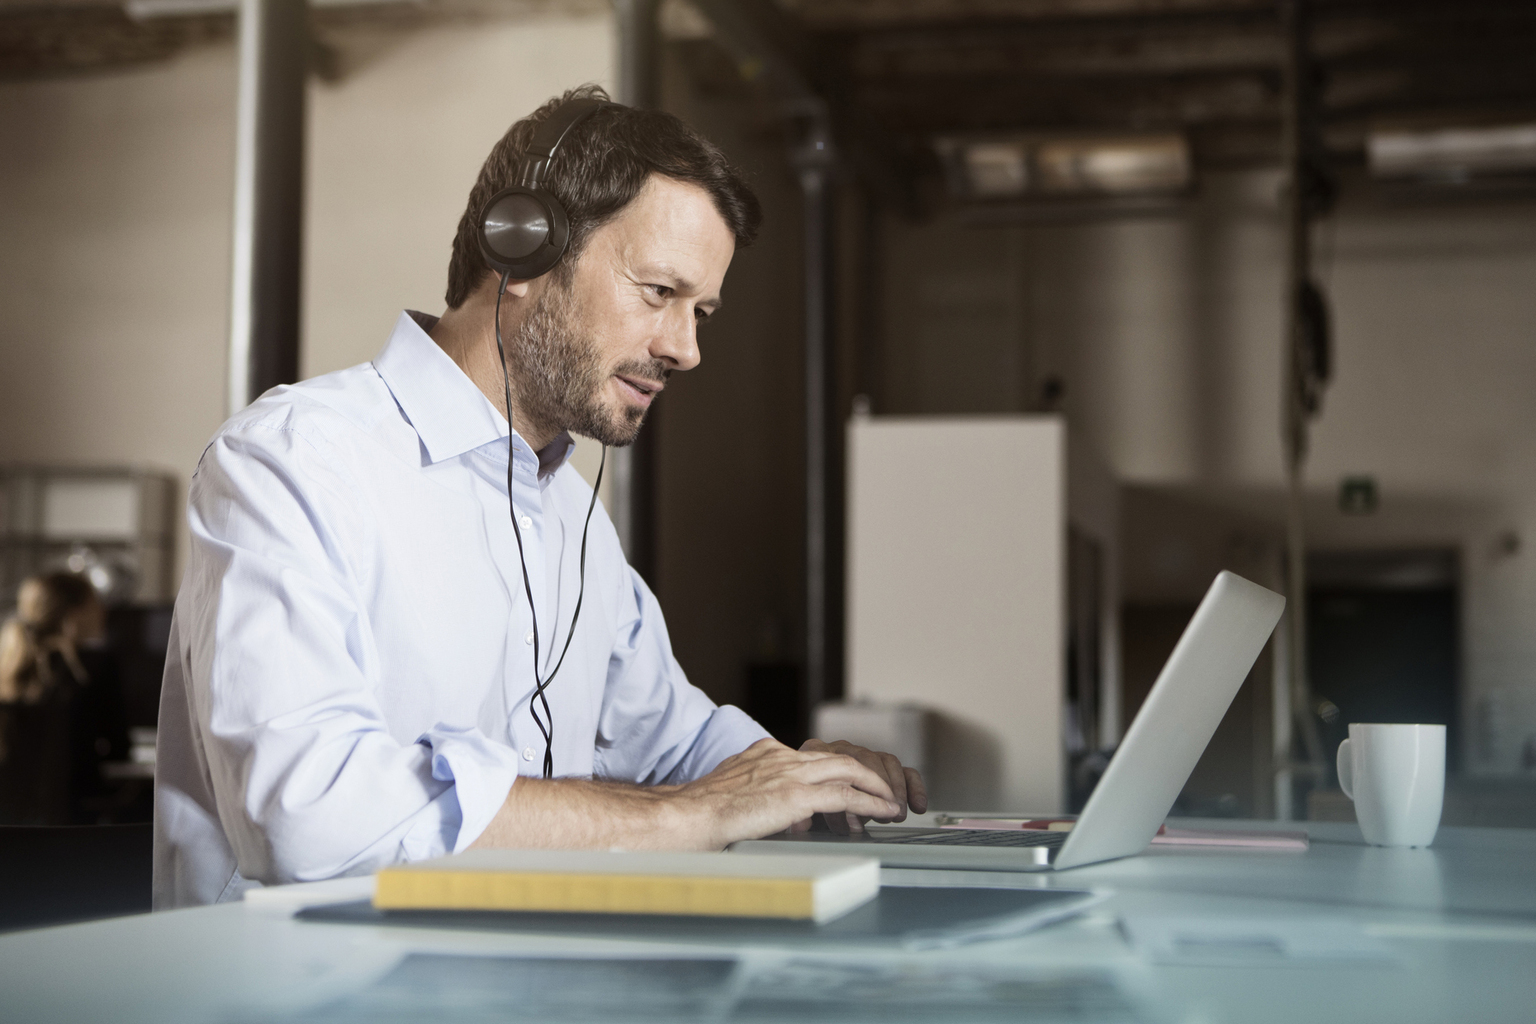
x=548 y=136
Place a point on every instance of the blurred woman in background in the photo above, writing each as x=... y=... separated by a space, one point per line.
x=60 y=712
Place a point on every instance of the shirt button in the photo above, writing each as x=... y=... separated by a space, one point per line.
x=525 y=522
x=527 y=753
x=529 y=638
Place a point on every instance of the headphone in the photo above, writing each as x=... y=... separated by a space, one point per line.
x=523 y=229
x=523 y=233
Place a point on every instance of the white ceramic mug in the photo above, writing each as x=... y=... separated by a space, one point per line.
x=1395 y=774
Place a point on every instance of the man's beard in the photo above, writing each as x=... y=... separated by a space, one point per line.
x=558 y=376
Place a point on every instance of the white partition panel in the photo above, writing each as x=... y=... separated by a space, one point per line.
x=956 y=577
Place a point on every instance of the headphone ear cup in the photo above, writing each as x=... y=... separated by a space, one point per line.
x=523 y=232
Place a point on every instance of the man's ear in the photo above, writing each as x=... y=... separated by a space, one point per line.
x=515 y=288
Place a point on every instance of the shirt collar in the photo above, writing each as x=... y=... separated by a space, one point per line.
x=449 y=413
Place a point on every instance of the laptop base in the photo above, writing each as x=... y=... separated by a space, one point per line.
x=940 y=849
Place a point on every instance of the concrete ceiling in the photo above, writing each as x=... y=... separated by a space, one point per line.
x=1210 y=68
x=912 y=69
x=42 y=38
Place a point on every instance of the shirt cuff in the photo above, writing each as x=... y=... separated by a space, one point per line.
x=482 y=773
x=728 y=732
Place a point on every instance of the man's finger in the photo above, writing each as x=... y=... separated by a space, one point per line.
x=897 y=779
x=917 y=793
x=832 y=799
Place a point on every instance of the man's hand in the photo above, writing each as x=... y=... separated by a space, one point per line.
x=768 y=788
x=906 y=784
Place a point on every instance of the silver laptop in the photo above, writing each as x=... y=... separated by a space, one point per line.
x=1144 y=777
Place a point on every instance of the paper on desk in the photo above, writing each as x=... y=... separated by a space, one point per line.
x=1252 y=942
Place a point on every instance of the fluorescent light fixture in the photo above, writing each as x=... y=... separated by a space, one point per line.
x=1035 y=166
x=1148 y=163
x=143 y=10
x=1454 y=153
x=996 y=170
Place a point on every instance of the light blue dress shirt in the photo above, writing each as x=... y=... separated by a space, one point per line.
x=351 y=655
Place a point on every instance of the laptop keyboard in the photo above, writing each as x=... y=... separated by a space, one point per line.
x=981 y=837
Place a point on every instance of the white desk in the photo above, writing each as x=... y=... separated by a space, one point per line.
x=1459 y=918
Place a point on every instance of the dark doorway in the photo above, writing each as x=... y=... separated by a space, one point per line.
x=1382 y=641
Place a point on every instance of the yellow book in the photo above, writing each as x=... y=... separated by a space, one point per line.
x=620 y=882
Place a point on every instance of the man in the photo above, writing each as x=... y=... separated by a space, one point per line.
x=351 y=677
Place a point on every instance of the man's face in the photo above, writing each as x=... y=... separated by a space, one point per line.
x=592 y=357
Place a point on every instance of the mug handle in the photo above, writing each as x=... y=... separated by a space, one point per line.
x=1346 y=766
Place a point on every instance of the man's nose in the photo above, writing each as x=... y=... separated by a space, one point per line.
x=677 y=343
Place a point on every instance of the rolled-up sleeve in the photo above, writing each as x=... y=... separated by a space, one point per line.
x=309 y=781
x=656 y=726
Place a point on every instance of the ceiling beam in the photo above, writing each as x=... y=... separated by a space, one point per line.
x=48 y=38
x=1074 y=53
x=1133 y=103
x=1120 y=104
x=860 y=15
x=850 y=16
x=71 y=39
x=1079 y=51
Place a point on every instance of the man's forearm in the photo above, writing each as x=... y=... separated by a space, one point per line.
x=576 y=814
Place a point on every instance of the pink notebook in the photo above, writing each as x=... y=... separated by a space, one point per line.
x=1165 y=836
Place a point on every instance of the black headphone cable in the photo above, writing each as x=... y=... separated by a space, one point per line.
x=546 y=724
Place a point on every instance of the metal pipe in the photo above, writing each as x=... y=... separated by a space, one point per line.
x=1296 y=210
x=634 y=468
x=813 y=160
x=269 y=198
x=639 y=41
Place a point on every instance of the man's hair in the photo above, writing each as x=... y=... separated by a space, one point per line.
x=600 y=168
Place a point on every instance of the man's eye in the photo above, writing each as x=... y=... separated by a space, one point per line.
x=661 y=290
x=701 y=314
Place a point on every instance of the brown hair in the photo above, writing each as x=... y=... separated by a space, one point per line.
x=44 y=605
x=600 y=168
